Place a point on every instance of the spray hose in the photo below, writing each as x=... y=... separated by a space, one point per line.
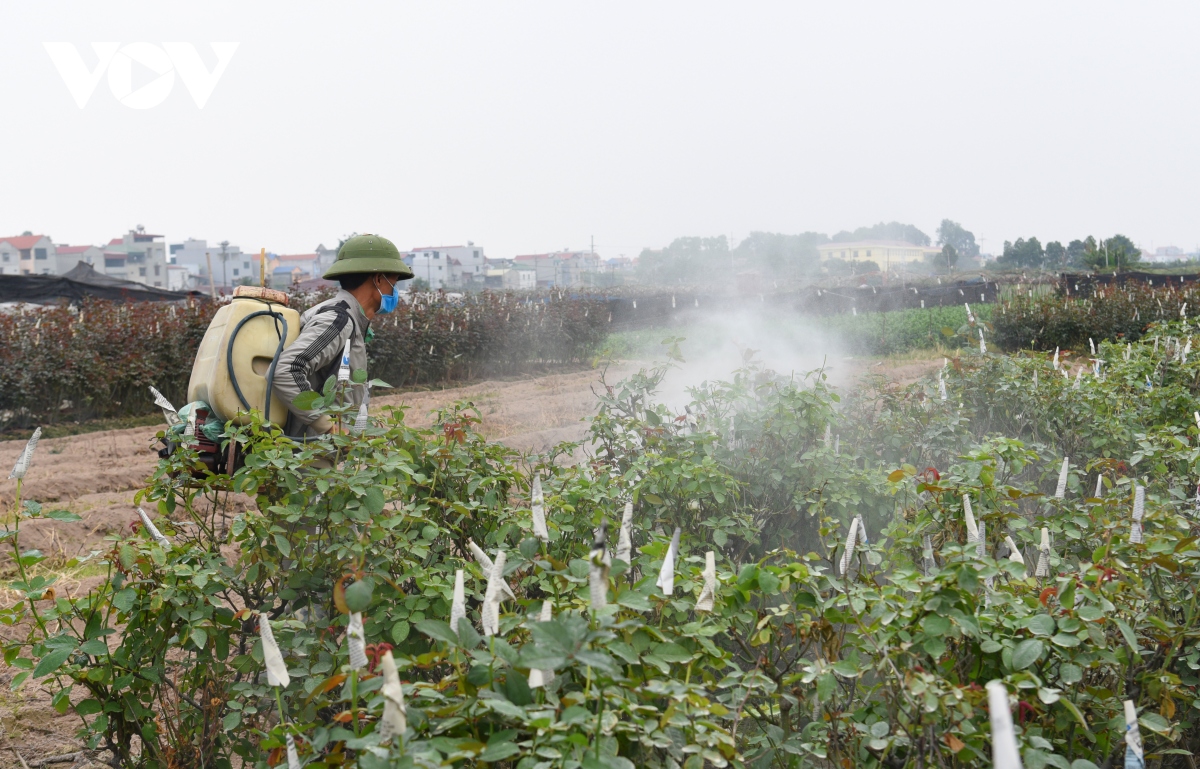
x=270 y=371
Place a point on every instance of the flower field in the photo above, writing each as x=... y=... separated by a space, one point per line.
x=1001 y=559
x=60 y=363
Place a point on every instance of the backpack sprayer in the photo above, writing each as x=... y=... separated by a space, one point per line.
x=234 y=372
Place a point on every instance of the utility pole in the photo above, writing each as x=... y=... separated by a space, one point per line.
x=224 y=244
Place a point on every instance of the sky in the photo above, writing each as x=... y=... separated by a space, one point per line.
x=533 y=126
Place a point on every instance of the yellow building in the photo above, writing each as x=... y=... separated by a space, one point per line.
x=888 y=254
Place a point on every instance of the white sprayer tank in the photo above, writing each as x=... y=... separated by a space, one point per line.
x=255 y=346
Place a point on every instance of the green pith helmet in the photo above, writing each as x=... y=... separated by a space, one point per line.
x=368 y=253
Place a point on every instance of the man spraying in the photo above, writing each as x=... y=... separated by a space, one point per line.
x=369 y=269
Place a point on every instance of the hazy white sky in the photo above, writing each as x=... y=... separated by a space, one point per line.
x=533 y=126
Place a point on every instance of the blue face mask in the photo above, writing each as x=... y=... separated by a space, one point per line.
x=388 y=302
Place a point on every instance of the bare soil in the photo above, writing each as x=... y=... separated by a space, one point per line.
x=97 y=475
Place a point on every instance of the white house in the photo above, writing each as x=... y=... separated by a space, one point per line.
x=562 y=269
x=69 y=256
x=229 y=265
x=449 y=266
x=27 y=254
x=145 y=258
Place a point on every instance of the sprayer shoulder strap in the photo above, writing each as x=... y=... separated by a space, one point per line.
x=343 y=310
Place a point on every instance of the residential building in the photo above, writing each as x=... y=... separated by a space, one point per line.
x=515 y=277
x=449 y=266
x=563 y=269
x=69 y=256
x=28 y=254
x=309 y=264
x=888 y=254
x=145 y=257
x=229 y=265
x=325 y=257
x=286 y=275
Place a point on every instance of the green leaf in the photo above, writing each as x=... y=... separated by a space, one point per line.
x=1040 y=624
x=285 y=547
x=768 y=582
x=1026 y=653
x=231 y=720
x=936 y=625
x=123 y=599
x=634 y=600
x=499 y=751
x=358 y=376
x=438 y=631
x=62 y=515
x=305 y=400
x=89 y=707
x=1069 y=673
x=199 y=637
x=1127 y=633
x=51 y=662
x=373 y=500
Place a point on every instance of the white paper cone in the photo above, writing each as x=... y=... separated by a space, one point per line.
x=26 y=456
x=344 y=368
x=861 y=534
x=1099 y=486
x=981 y=543
x=941 y=386
x=152 y=530
x=542 y=677
x=1139 y=506
x=1043 y=564
x=1133 y=738
x=458 y=607
x=1078 y=378
x=293 y=757
x=927 y=556
x=625 y=537
x=828 y=436
x=491 y=600
x=356 y=641
x=598 y=564
x=394 y=722
x=1056 y=359
x=969 y=517
x=169 y=412
x=1093 y=346
x=1015 y=552
x=666 y=575
x=190 y=428
x=708 y=593
x=539 y=511
x=1061 y=490
x=485 y=563
x=848 y=551
x=1004 y=739
x=277 y=672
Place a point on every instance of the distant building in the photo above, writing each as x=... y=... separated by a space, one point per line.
x=888 y=254
x=69 y=256
x=449 y=266
x=562 y=269
x=229 y=265
x=516 y=277
x=28 y=254
x=286 y=275
x=139 y=256
x=1165 y=254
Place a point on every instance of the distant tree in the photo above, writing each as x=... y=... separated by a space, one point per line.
x=1022 y=254
x=884 y=231
x=1076 y=251
x=945 y=261
x=1056 y=255
x=1116 y=253
x=839 y=266
x=690 y=260
x=963 y=241
x=780 y=256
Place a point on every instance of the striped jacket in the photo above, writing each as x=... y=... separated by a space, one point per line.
x=315 y=356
